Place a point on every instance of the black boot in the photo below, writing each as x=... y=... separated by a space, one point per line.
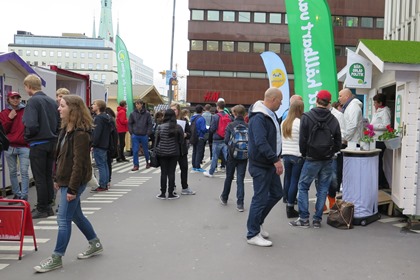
x=291 y=212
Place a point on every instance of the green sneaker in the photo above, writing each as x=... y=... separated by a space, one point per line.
x=95 y=248
x=51 y=263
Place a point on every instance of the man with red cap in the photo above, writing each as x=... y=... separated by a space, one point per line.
x=319 y=140
x=11 y=119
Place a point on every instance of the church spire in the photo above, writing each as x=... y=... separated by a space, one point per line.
x=105 y=26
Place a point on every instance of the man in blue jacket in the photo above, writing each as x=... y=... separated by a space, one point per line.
x=265 y=166
x=200 y=130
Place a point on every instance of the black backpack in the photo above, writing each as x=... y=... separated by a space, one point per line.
x=320 y=145
x=4 y=141
x=194 y=132
x=113 y=141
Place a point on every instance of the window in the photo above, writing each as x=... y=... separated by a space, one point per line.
x=227 y=46
x=59 y=53
x=274 y=47
x=98 y=55
x=197 y=45
x=260 y=17
x=82 y=66
x=20 y=52
x=244 y=17
x=74 y=54
x=337 y=21
x=211 y=73
x=286 y=49
x=103 y=78
x=95 y=77
x=275 y=18
x=243 y=75
x=43 y=63
x=35 y=53
x=352 y=21
x=258 y=47
x=367 y=22
x=51 y=53
x=243 y=47
x=213 y=46
x=90 y=66
x=67 y=54
x=74 y=65
x=227 y=74
x=44 y=53
x=258 y=75
x=28 y=53
x=59 y=64
x=213 y=15
x=82 y=55
x=35 y=63
x=90 y=55
x=106 y=55
x=228 y=16
x=98 y=66
x=379 y=23
x=105 y=66
x=197 y=15
x=337 y=50
x=67 y=65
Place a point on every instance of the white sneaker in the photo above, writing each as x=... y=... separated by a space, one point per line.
x=258 y=240
x=263 y=233
x=206 y=174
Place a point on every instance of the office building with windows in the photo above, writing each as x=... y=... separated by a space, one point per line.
x=78 y=53
x=227 y=36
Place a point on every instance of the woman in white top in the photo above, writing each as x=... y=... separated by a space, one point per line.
x=292 y=158
x=381 y=118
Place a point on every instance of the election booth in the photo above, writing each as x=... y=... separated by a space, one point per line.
x=395 y=73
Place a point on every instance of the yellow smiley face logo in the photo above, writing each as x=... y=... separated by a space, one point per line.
x=278 y=78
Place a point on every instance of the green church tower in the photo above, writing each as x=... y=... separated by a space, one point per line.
x=105 y=26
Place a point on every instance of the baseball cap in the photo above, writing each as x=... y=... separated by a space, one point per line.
x=324 y=94
x=13 y=93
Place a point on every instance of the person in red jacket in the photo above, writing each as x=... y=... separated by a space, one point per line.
x=11 y=119
x=122 y=128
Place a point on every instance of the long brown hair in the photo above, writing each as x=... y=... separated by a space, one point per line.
x=79 y=116
x=295 y=111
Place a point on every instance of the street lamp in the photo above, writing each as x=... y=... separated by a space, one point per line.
x=172 y=50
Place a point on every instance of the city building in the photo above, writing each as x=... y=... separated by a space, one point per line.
x=227 y=36
x=81 y=54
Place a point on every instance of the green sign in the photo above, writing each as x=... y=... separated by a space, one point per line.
x=313 y=51
x=398 y=111
x=357 y=71
x=125 y=86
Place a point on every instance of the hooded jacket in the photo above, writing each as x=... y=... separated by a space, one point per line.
x=264 y=139
x=14 y=128
x=102 y=131
x=353 y=121
x=122 y=121
x=200 y=125
x=306 y=125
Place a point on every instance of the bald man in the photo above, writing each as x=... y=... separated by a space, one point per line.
x=353 y=119
x=265 y=166
x=292 y=99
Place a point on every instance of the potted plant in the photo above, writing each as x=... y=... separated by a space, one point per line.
x=367 y=138
x=391 y=138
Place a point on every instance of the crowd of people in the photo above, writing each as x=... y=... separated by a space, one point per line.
x=58 y=143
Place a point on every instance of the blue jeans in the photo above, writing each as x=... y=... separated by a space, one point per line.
x=240 y=166
x=67 y=212
x=267 y=192
x=312 y=169
x=101 y=160
x=12 y=155
x=292 y=168
x=198 y=153
x=136 y=140
x=218 y=147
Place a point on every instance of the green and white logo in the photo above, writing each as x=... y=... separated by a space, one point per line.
x=359 y=71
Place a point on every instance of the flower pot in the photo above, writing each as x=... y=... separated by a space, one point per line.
x=365 y=146
x=393 y=143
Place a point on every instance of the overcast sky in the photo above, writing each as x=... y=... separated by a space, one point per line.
x=144 y=26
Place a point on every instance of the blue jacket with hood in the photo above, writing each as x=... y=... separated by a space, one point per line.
x=262 y=143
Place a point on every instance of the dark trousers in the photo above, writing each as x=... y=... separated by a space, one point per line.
x=42 y=159
x=240 y=166
x=183 y=165
x=167 y=168
x=109 y=161
x=121 y=145
x=198 y=153
x=382 y=181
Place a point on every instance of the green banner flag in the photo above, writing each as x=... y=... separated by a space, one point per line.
x=313 y=51
x=125 y=88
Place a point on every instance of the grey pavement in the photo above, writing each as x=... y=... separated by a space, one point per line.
x=195 y=237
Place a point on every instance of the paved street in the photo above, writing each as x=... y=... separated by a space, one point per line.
x=195 y=237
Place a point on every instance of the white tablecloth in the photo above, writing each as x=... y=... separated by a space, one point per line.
x=360 y=181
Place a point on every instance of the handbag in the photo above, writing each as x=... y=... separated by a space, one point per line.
x=341 y=215
x=154 y=160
